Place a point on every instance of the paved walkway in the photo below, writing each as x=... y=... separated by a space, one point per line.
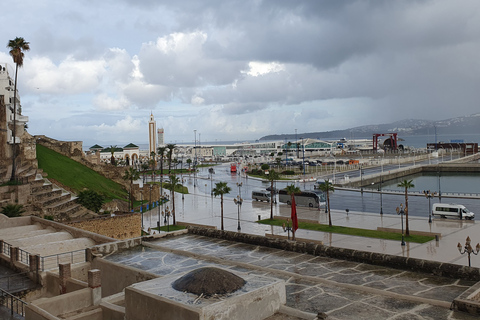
x=341 y=289
x=205 y=210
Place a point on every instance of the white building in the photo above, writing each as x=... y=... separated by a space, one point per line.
x=7 y=86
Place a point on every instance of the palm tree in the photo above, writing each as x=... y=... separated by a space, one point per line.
x=272 y=176
x=161 y=153
x=170 y=148
x=17 y=46
x=131 y=174
x=327 y=187
x=189 y=161
x=13 y=210
x=174 y=183
x=220 y=189
x=292 y=190
x=112 y=151
x=407 y=184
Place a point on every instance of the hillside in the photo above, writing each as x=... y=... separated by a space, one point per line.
x=407 y=127
x=76 y=176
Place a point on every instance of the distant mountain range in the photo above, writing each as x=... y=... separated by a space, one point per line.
x=409 y=127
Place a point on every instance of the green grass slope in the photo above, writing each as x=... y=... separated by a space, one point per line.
x=77 y=176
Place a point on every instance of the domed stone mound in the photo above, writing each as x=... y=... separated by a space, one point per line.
x=209 y=281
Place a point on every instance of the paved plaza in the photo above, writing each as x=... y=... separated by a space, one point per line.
x=341 y=289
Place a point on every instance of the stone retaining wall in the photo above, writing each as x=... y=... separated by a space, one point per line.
x=119 y=226
x=391 y=261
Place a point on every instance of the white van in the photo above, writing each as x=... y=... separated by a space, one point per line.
x=445 y=210
x=261 y=195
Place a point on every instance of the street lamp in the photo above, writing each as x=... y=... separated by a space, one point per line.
x=361 y=179
x=381 y=195
x=303 y=155
x=141 y=210
x=287 y=227
x=468 y=249
x=429 y=195
x=238 y=201
x=195 y=161
x=400 y=211
x=166 y=220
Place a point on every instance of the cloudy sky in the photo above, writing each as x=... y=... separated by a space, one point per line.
x=239 y=70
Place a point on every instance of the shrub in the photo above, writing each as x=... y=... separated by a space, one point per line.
x=13 y=210
x=91 y=200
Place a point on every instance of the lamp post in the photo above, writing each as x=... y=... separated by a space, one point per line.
x=238 y=201
x=361 y=179
x=468 y=249
x=195 y=161
x=400 y=211
x=303 y=161
x=381 y=195
x=141 y=210
x=166 y=220
x=429 y=195
x=287 y=228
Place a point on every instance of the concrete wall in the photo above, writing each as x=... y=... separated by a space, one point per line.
x=391 y=261
x=52 y=284
x=75 y=232
x=6 y=222
x=116 y=277
x=119 y=226
x=65 y=303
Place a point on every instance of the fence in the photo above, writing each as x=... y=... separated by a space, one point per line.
x=15 y=282
x=52 y=261
x=14 y=304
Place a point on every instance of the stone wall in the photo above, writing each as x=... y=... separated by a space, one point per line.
x=71 y=149
x=391 y=261
x=123 y=226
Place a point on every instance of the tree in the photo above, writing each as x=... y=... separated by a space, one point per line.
x=189 y=161
x=407 y=184
x=17 y=46
x=272 y=176
x=220 y=189
x=292 y=190
x=327 y=187
x=144 y=167
x=13 y=210
x=265 y=167
x=91 y=200
x=171 y=148
x=131 y=174
x=161 y=153
x=112 y=152
x=174 y=183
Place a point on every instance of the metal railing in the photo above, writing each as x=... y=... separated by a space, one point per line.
x=16 y=281
x=6 y=248
x=23 y=256
x=52 y=261
x=14 y=304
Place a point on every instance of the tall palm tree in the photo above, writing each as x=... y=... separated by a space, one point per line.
x=327 y=187
x=112 y=152
x=189 y=161
x=174 y=183
x=272 y=176
x=170 y=148
x=407 y=184
x=292 y=190
x=17 y=47
x=131 y=174
x=220 y=189
x=161 y=153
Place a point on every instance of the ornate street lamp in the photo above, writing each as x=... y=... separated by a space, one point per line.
x=400 y=211
x=287 y=227
x=238 y=201
x=429 y=195
x=468 y=249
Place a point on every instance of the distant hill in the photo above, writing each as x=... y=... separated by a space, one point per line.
x=409 y=127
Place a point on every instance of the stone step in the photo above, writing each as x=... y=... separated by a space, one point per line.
x=59 y=206
x=45 y=196
x=55 y=201
x=41 y=188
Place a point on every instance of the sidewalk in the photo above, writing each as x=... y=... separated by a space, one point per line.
x=444 y=250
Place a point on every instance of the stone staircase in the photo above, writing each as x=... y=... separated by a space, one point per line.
x=46 y=198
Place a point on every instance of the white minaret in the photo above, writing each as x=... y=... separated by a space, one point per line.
x=152 y=135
